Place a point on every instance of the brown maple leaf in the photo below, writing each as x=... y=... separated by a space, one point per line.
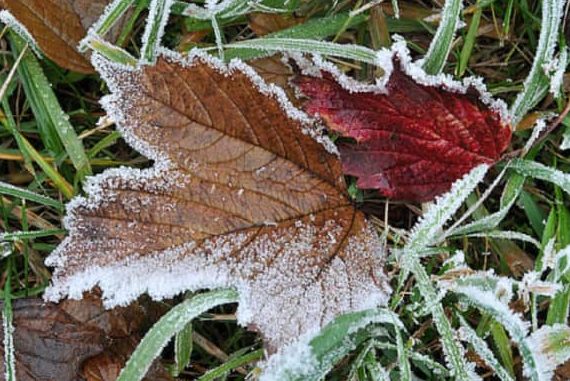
x=242 y=195
x=67 y=341
x=59 y=25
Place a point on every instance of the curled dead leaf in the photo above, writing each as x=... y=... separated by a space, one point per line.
x=243 y=194
x=56 y=341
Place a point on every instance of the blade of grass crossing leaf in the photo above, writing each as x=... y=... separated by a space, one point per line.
x=172 y=322
x=113 y=12
x=314 y=29
x=112 y=52
x=231 y=364
x=22 y=193
x=486 y=221
x=537 y=83
x=273 y=44
x=47 y=110
x=440 y=45
x=469 y=40
x=158 y=13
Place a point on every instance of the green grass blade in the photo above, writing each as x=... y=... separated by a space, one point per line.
x=236 y=362
x=25 y=194
x=7 y=317
x=314 y=29
x=404 y=363
x=537 y=83
x=469 y=40
x=111 y=52
x=183 y=346
x=30 y=234
x=51 y=119
x=424 y=233
x=481 y=348
x=503 y=346
x=487 y=302
x=113 y=12
x=440 y=45
x=158 y=13
x=542 y=172
x=30 y=152
x=274 y=44
x=172 y=322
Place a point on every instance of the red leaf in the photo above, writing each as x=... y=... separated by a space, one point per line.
x=414 y=141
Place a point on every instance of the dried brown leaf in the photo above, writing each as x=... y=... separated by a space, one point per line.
x=265 y=23
x=242 y=195
x=58 y=26
x=54 y=342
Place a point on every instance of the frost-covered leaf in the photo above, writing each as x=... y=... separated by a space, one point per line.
x=58 y=26
x=244 y=194
x=412 y=141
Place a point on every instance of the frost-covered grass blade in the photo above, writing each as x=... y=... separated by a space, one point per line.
x=170 y=324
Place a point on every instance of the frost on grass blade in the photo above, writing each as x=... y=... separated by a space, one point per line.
x=425 y=230
x=241 y=195
x=158 y=13
x=551 y=348
x=537 y=84
x=9 y=351
x=542 y=172
x=313 y=355
x=468 y=334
